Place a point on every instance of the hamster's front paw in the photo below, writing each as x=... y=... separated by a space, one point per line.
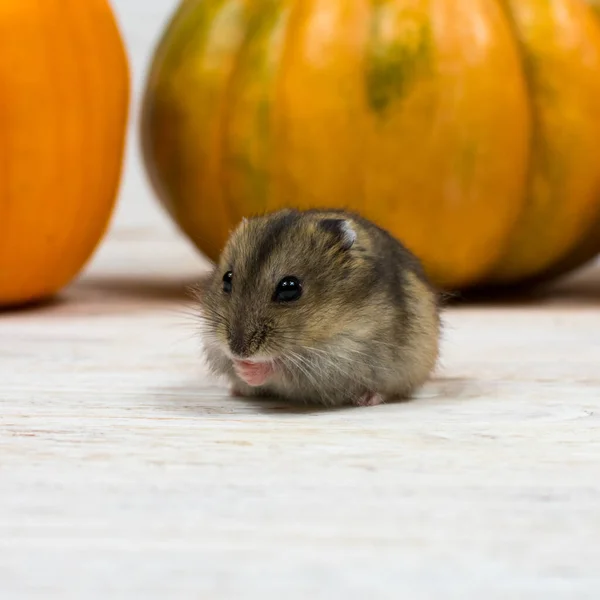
x=241 y=390
x=238 y=389
x=370 y=399
x=236 y=392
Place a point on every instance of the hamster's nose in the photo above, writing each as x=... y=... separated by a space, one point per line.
x=238 y=343
x=244 y=344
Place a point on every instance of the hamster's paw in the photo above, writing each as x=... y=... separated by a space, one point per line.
x=241 y=390
x=236 y=392
x=370 y=399
x=238 y=389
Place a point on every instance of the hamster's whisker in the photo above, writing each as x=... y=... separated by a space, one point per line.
x=214 y=320
x=211 y=314
x=313 y=365
x=212 y=323
x=314 y=377
x=183 y=310
x=325 y=360
x=210 y=309
x=329 y=356
x=297 y=361
x=336 y=366
x=207 y=332
x=300 y=364
x=336 y=362
x=184 y=323
x=349 y=359
x=290 y=366
x=296 y=370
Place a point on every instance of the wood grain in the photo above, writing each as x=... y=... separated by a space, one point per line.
x=125 y=472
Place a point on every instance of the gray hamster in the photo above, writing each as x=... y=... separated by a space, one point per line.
x=319 y=306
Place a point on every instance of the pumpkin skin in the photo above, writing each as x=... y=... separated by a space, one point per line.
x=64 y=95
x=588 y=246
x=424 y=115
x=561 y=47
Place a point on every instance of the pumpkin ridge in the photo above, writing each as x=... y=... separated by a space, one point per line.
x=249 y=107
x=560 y=198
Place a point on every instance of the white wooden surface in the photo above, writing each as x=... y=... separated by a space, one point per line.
x=126 y=473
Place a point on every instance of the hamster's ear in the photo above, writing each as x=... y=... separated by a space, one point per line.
x=341 y=229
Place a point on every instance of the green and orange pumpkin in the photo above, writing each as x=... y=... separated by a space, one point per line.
x=468 y=128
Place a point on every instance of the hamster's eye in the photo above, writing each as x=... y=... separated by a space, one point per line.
x=227 y=282
x=288 y=290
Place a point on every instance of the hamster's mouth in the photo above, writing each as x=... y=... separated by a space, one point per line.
x=254 y=373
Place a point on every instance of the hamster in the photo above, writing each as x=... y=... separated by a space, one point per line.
x=319 y=306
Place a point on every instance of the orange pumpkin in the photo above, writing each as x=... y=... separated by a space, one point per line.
x=468 y=128
x=64 y=94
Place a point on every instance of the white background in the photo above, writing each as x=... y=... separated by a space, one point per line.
x=142 y=23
